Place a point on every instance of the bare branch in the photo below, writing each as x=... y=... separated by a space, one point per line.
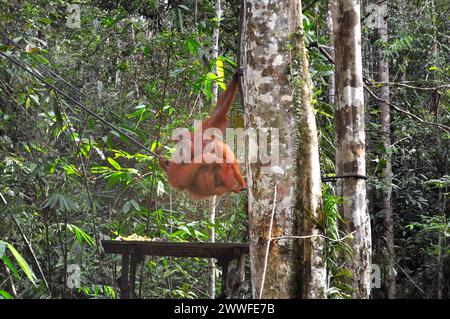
x=399 y=109
x=396 y=107
x=402 y=84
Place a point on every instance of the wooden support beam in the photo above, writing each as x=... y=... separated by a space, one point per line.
x=124 y=286
x=241 y=264
x=134 y=261
x=224 y=276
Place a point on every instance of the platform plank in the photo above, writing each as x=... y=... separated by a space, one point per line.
x=188 y=249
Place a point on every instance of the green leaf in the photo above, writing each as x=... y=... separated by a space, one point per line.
x=65 y=203
x=22 y=263
x=27 y=103
x=118 y=177
x=51 y=201
x=135 y=205
x=5 y=295
x=192 y=45
x=26 y=147
x=126 y=207
x=40 y=59
x=71 y=169
x=182 y=6
x=81 y=235
x=11 y=267
x=114 y=164
x=35 y=98
x=100 y=170
x=180 y=20
x=185 y=229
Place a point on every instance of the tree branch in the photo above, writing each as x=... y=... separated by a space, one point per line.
x=394 y=106
x=398 y=109
x=30 y=248
x=411 y=86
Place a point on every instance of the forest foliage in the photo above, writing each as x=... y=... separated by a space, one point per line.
x=68 y=180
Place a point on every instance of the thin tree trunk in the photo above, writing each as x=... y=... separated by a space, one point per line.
x=35 y=259
x=212 y=239
x=212 y=212
x=312 y=250
x=350 y=142
x=10 y=281
x=215 y=45
x=441 y=165
x=47 y=247
x=442 y=243
x=402 y=10
x=383 y=71
x=331 y=89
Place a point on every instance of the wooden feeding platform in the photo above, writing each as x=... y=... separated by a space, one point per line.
x=133 y=251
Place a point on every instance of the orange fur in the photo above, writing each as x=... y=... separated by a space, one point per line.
x=218 y=175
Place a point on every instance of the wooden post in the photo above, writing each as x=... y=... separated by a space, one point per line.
x=241 y=264
x=224 y=264
x=124 y=287
x=134 y=261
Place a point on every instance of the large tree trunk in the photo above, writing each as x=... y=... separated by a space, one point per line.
x=350 y=141
x=284 y=198
x=383 y=71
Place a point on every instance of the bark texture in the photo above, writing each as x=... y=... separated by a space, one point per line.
x=385 y=117
x=312 y=251
x=350 y=141
x=277 y=94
